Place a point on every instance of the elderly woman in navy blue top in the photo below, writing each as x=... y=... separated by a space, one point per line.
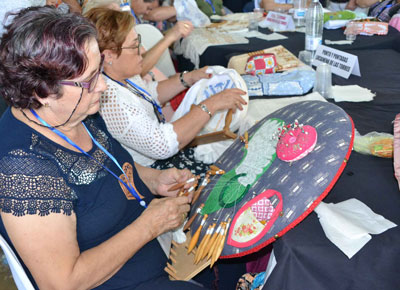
x=74 y=206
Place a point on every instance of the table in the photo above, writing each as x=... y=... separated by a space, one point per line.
x=235 y=5
x=220 y=55
x=306 y=259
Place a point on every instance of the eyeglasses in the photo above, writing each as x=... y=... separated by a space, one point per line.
x=91 y=84
x=139 y=40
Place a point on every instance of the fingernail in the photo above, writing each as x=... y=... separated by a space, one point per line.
x=209 y=75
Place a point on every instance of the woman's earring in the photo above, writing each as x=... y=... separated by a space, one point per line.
x=110 y=63
x=46 y=105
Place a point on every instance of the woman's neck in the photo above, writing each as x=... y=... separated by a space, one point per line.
x=73 y=130
x=115 y=76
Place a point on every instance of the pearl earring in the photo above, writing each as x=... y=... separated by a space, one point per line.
x=110 y=63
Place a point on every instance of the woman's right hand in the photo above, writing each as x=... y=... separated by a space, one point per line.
x=227 y=99
x=181 y=29
x=164 y=214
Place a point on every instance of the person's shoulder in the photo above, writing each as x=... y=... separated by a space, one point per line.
x=13 y=132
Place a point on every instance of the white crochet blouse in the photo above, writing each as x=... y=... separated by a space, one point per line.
x=132 y=121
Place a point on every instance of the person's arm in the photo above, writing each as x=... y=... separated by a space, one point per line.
x=169 y=88
x=160 y=181
x=270 y=5
x=160 y=13
x=73 y=6
x=135 y=126
x=351 y=5
x=52 y=253
x=365 y=3
x=188 y=126
x=151 y=57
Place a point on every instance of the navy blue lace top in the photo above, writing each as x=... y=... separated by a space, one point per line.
x=40 y=177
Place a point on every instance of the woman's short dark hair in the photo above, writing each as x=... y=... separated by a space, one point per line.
x=39 y=48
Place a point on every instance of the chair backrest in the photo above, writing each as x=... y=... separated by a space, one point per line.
x=20 y=278
x=150 y=37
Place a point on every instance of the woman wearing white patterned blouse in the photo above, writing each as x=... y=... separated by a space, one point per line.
x=130 y=106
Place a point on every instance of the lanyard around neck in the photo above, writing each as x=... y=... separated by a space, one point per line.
x=62 y=135
x=211 y=4
x=134 y=15
x=144 y=95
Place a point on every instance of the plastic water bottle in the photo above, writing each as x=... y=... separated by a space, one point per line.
x=314 y=26
x=299 y=12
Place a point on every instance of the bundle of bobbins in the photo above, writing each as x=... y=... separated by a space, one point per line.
x=199 y=255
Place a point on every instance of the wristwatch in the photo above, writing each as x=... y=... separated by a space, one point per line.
x=185 y=84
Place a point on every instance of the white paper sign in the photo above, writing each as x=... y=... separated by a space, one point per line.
x=278 y=21
x=342 y=63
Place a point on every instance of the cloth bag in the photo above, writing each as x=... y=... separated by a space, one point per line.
x=291 y=83
x=285 y=59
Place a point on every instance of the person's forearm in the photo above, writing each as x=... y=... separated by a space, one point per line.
x=73 y=5
x=54 y=258
x=97 y=265
x=170 y=87
x=365 y=3
x=152 y=56
x=270 y=5
x=161 y=13
x=148 y=176
x=190 y=125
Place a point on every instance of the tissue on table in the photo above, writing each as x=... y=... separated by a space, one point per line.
x=351 y=93
x=348 y=224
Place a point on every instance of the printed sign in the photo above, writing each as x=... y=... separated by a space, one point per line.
x=342 y=63
x=279 y=21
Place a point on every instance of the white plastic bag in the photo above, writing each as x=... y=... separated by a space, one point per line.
x=188 y=10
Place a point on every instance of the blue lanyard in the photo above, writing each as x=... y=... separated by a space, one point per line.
x=134 y=15
x=142 y=92
x=62 y=135
x=211 y=4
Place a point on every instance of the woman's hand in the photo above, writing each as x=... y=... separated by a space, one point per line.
x=170 y=177
x=227 y=99
x=179 y=30
x=196 y=75
x=164 y=214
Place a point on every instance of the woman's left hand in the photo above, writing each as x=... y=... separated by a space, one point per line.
x=196 y=75
x=170 y=177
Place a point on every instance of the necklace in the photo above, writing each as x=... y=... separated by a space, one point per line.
x=57 y=126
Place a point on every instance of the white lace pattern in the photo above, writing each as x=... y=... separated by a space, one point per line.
x=132 y=121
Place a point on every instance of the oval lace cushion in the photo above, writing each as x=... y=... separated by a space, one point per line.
x=296 y=143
